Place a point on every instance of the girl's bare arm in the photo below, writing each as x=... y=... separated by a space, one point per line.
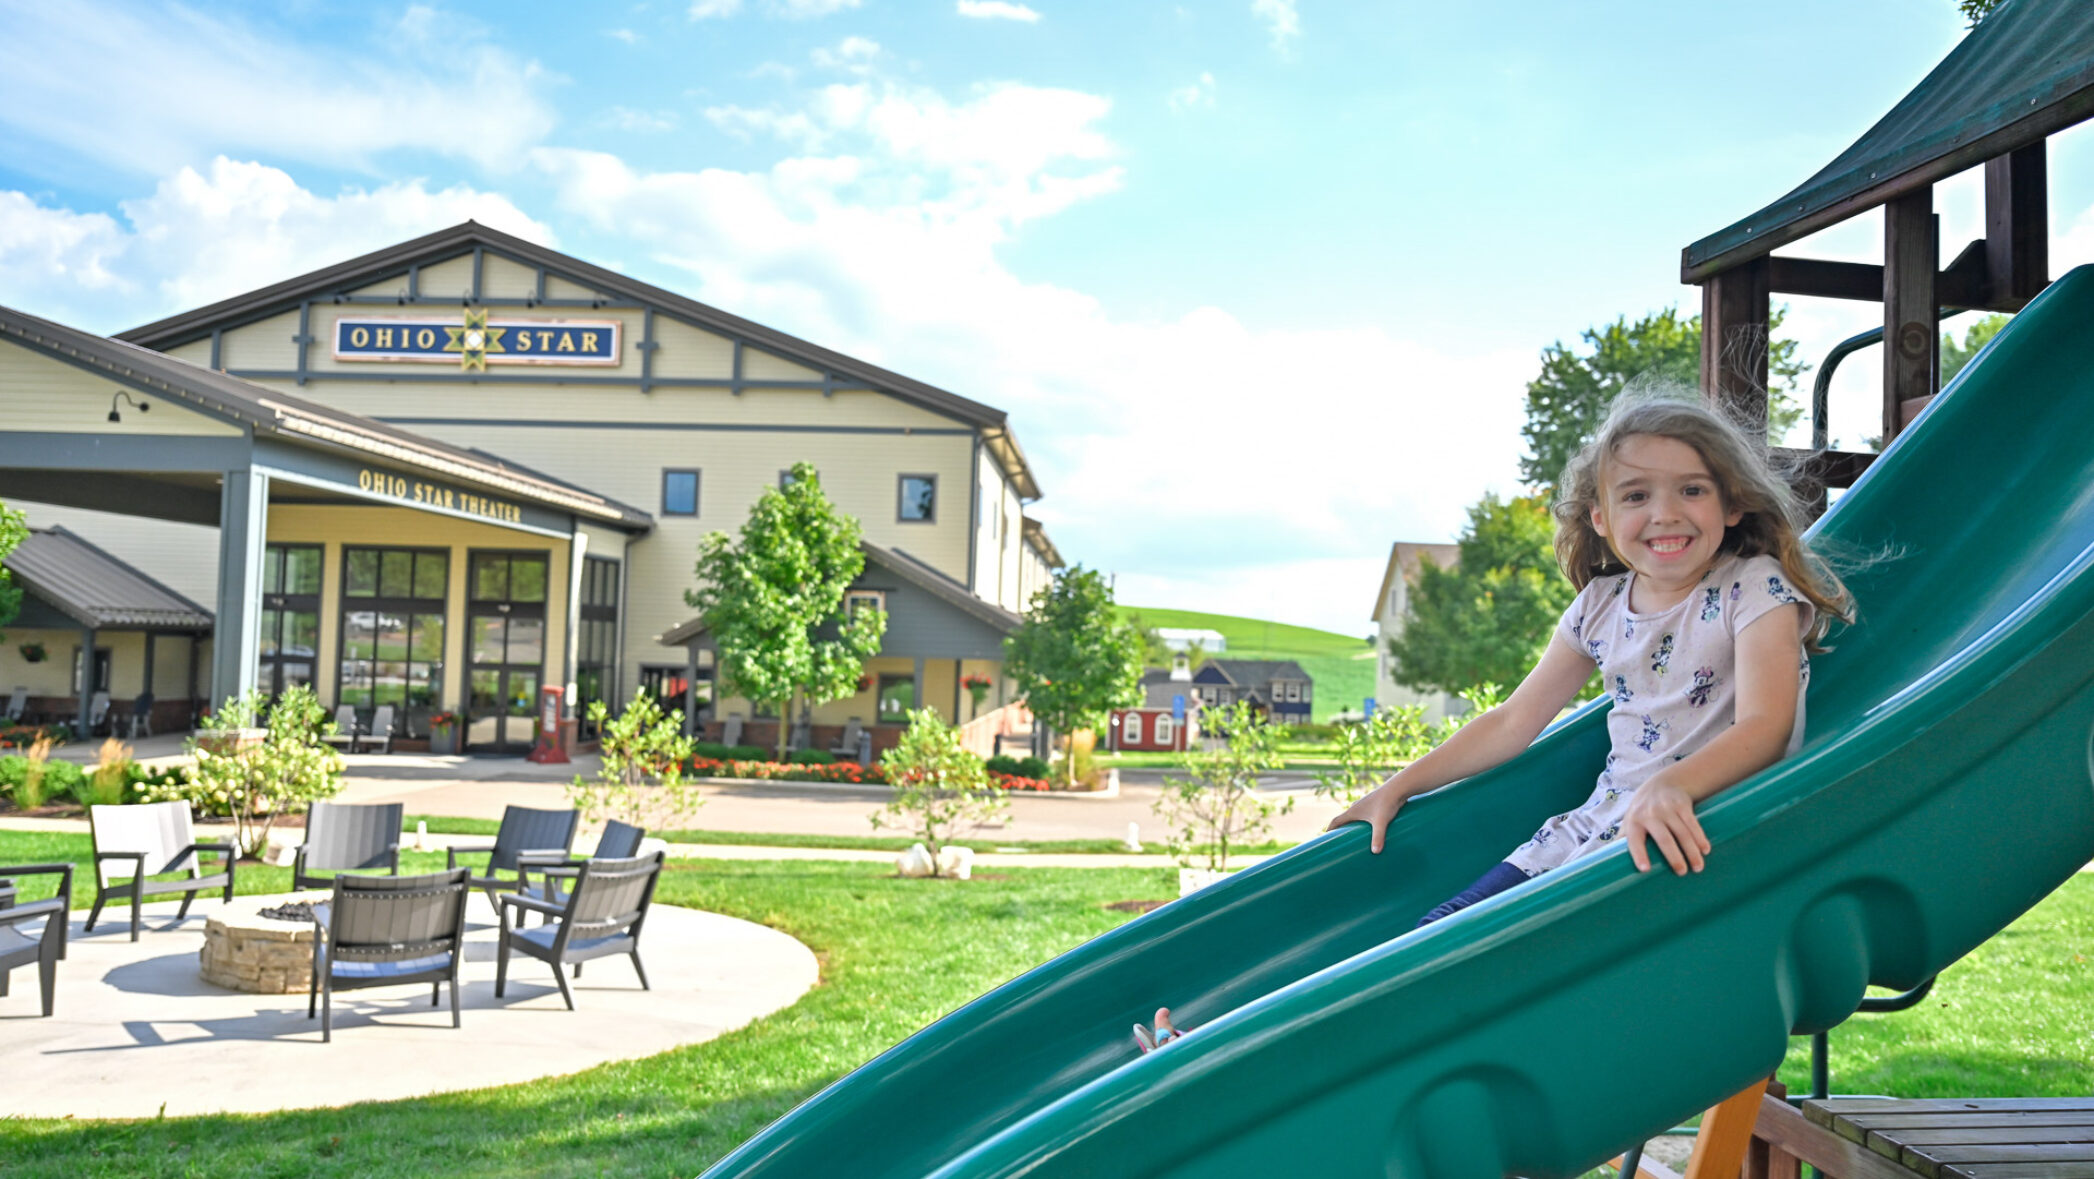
x=1489 y=740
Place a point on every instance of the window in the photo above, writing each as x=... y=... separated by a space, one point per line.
x=393 y=607
x=785 y=478
x=289 y=641
x=596 y=662
x=897 y=697
x=1166 y=729
x=679 y=493
x=1305 y=693
x=919 y=499
x=1131 y=729
x=101 y=670
x=1293 y=692
x=861 y=599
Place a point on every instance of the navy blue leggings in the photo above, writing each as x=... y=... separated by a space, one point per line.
x=1501 y=877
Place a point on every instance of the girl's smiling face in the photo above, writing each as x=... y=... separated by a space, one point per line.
x=1663 y=513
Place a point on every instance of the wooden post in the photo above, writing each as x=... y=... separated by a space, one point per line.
x=2017 y=233
x=1911 y=316
x=1725 y=1139
x=1734 y=310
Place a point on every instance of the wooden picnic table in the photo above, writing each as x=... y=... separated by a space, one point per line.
x=1942 y=1138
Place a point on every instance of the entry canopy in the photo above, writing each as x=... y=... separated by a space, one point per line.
x=2025 y=72
x=95 y=589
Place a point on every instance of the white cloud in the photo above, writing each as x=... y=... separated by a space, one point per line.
x=1242 y=453
x=997 y=10
x=852 y=54
x=1282 y=20
x=153 y=91
x=203 y=236
x=713 y=9
x=625 y=118
x=625 y=35
x=1199 y=93
x=811 y=9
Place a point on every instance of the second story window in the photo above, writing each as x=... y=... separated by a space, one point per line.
x=679 y=493
x=857 y=599
x=919 y=499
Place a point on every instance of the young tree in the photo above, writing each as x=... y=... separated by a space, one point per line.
x=640 y=780
x=1486 y=618
x=1074 y=660
x=14 y=529
x=939 y=787
x=1567 y=402
x=1216 y=805
x=773 y=600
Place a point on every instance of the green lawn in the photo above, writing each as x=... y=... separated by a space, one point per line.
x=441 y=824
x=1342 y=666
x=2007 y=1021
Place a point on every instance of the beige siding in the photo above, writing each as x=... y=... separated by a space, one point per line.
x=448 y=279
x=758 y=365
x=501 y=278
x=45 y=395
x=687 y=351
x=268 y=345
x=196 y=352
x=393 y=286
x=54 y=676
x=182 y=557
x=559 y=288
x=333 y=527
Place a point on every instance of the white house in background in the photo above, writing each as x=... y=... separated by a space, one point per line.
x=1184 y=638
x=1390 y=606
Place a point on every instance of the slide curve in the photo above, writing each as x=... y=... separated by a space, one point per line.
x=1944 y=789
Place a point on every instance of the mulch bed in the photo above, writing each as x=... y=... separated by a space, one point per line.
x=1136 y=906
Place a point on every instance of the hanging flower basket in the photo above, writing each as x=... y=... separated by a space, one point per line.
x=33 y=652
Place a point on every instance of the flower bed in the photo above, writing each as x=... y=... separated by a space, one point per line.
x=848 y=773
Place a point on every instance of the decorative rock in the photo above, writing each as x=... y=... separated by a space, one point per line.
x=246 y=951
x=1133 y=842
x=956 y=862
x=914 y=862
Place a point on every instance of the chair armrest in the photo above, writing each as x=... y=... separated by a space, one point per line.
x=16 y=914
x=541 y=854
x=195 y=849
x=522 y=902
x=566 y=872
x=64 y=871
x=137 y=861
x=477 y=849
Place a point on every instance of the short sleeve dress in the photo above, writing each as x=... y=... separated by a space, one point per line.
x=1670 y=674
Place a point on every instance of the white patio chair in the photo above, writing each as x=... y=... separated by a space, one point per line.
x=135 y=843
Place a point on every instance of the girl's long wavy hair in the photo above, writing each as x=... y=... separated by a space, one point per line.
x=1746 y=478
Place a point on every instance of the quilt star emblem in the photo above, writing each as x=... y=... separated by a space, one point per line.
x=473 y=341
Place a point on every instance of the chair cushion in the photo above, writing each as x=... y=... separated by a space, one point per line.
x=409 y=966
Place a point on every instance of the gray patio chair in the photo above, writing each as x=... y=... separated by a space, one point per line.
x=543 y=834
x=139 y=721
x=97 y=714
x=601 y=917
x=18 y=705
x=344 y=838
x=47 y=945
x=155 y=838
x=619 y=841
x=383 y=931
x=847 y=745
x=381 y=731
x=731 y=729
x=345 y=729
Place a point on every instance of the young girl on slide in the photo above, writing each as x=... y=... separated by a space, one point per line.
x=1700 y=605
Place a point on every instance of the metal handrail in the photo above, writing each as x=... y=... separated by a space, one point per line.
x=1821 y=388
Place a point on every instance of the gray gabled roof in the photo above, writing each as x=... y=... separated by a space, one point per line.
x=266 y=411
x=95 y=589
x=918 y=574
x=1257 y=673
x=461 y=239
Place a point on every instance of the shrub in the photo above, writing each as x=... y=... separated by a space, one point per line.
x=35 y=785
x=812 y=757
x=643 y=744
x=253 y=783
x=13 y=768
x=63 y=779
x=114 y=772
x=711 y=749
x=1018 y=767
x=939 y=787
x=747 y=753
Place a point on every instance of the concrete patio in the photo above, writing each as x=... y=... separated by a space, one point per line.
x=137 y=1032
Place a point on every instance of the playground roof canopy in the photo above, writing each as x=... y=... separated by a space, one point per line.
x=2025 y=72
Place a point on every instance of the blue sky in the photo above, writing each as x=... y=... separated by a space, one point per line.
x=1260 y=281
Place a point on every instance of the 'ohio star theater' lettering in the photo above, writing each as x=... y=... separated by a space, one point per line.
x=436 y=496
x=476 y=342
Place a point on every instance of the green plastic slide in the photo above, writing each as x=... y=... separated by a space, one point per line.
x=1945 y=788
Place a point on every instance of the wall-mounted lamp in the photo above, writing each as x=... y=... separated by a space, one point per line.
x=114 y=416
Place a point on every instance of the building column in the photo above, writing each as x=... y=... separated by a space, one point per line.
x=920 y=701
x=243 y=531
x=81 y=731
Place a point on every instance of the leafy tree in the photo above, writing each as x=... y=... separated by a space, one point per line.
x=773 y=601
x=640 y=746
x=1074 y=659
x=939 y=787
x=1954 y=356
x=1976 y=10
x=1569 y=400
x=1486 y=618
x=1370 y=751
x=14 y=529
x=253 y=782
x=1216 y=804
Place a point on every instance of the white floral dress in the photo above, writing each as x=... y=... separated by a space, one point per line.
x=1670 y=673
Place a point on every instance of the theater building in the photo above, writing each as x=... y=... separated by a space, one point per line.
x=454 y=472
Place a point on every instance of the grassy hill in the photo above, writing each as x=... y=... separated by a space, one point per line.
x=1342 y=666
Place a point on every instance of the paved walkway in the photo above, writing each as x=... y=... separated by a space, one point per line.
x=137 y=1032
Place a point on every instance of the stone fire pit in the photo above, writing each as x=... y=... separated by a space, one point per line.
x=246 y=951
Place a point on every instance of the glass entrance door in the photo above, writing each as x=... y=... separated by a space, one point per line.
x=506 y=645
x=290 y=626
